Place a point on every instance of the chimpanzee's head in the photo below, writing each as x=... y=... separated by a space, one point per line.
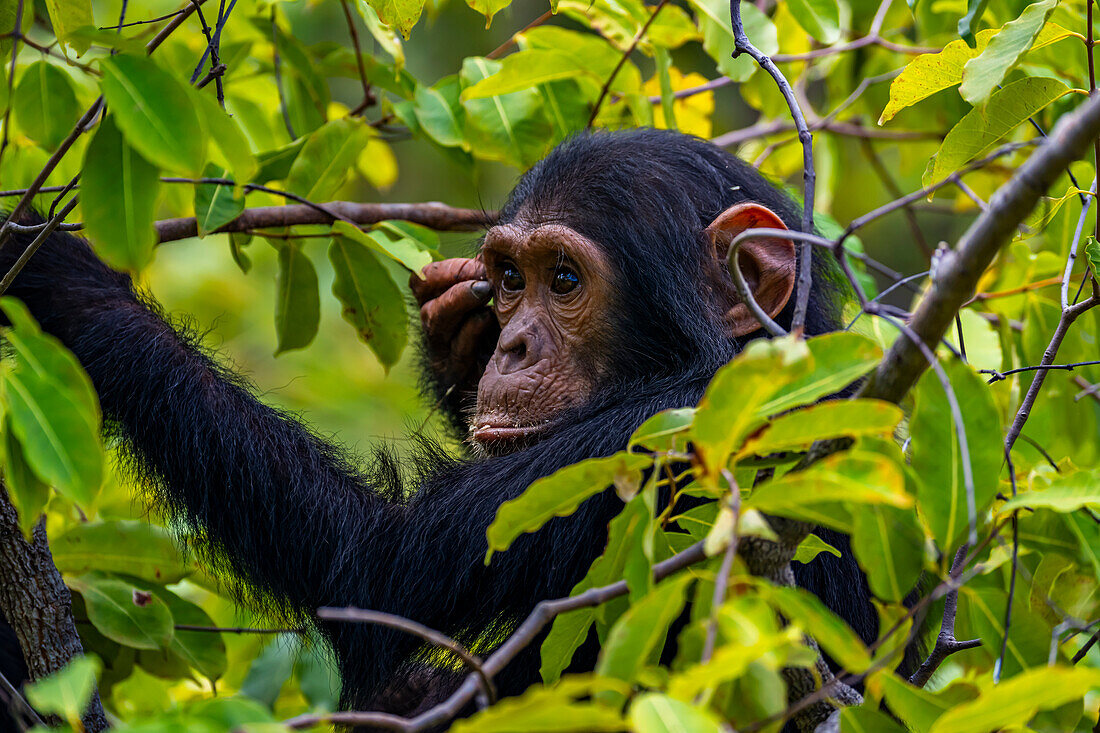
x=608 y=265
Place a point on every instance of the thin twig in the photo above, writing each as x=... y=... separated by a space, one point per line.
x=15 y=698
x=622 y=61
x=499 y=50
x=389 y=620
x=742 y=44
x=368 y=95
x=998 y=376
x=946 y=643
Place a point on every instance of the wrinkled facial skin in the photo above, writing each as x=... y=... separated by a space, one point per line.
x=551 y=296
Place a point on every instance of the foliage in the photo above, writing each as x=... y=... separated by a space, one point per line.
x=271 y=103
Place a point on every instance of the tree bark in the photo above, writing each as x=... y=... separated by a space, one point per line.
x=37 y=604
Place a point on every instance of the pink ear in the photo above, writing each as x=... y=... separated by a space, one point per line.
x=767 y=263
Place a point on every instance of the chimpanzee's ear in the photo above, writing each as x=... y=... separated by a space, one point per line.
x=767 y=263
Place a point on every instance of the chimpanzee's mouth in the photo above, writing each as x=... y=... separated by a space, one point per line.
x=487 y=432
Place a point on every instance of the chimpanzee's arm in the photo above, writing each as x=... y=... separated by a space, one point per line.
x=282 y=504
x=287 y=511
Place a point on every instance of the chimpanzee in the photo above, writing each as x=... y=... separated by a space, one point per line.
x=610 y=302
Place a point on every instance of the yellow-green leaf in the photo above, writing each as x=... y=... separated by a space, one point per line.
x=983 y=73
x=124 y=613
x=559 y=494
x=372 y=302
x=982 y=127
x=400 y=14
x=657 y=713
x=45 y=105
x=68 y=15
x=154 y=112
x=825 y=420
x=66 y=693
x=298 y=302
x=326 y=159
x=930 y=73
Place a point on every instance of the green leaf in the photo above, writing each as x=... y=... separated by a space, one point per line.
x=915 y=706
x=271 y=669
x=661 y=431
x=524 y=70
x=811 y=547
x=551 y=710
x=839 y=359
x=1092 y=252
x=867 y=720
x=968 y=24
x=135 y=548
x=298 y=302
x=714 y=21
x=439 y=117
x=203 y=651
x=119 y=199
x=65 y=693
x=834 y=636
x=825 y=420
x=68 y=15
x=372 y=302
x=982 y=127
x=488 y=8
x=216 y=204
x=123 y=613
x=819 y=18
x=155 y=113
x=889 y=545
x=382 y=33
x=930 y=73
x=559 y=494
x=509 y=128
x=638 y=637
x=226 y=134
x=985 y=72
x=1064 y=494
x=52 y=408
x=400 y=14
x=570 y=629
x=326 y=159
x=1015 y=701
x=657 y=713
x=729 y=410
x=28 y=493
x=821 y=493
x=274 y=165
x=391 y=242
x=936 y=458
x=45 y=105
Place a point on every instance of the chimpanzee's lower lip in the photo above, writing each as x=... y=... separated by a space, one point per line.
x=498 y=433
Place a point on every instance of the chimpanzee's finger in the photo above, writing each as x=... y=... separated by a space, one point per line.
x=467 y=344
x=439 y=276
x=441 y=316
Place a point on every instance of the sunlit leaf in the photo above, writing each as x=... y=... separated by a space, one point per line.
x=657 y=713
x=839 y=359
x=488 y=8
x=1015 y=701
x=326 y=159
x=523 y=70
x=714 y=21
x=889 y=544
x=66 y=693
x=52 y=409
x=559 y=494
x=154 y=112
x=27 y=493
x=510 y=128
x=811 y=547
x=439 y=117
x=825 y=420
x=551 y=710
x=403 y=249
x=401 y=14
x=68 y=15
x=640 y=633
x=828 y=630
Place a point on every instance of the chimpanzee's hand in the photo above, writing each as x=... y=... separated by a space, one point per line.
x=460 y=331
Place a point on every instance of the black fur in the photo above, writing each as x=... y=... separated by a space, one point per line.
x=14 y=670
x=306 y=525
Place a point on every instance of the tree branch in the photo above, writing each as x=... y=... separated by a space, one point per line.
x=956 y=276
x=432 y=215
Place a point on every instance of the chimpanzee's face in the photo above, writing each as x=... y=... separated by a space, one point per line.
x=552 y=291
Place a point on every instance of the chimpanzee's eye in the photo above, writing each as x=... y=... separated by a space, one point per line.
x=565 y=280
x=510 y=278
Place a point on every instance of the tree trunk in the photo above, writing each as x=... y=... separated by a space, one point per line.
x=37 y=604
